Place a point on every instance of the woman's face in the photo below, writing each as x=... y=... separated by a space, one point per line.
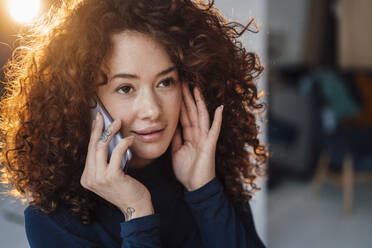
x=143 y=91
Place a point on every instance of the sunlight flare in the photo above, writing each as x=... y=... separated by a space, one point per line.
x=24 y=11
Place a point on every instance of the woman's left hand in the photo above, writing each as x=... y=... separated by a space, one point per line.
x=194 y=159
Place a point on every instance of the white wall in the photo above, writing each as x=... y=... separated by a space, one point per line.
x=242 y=10
x=287 y=24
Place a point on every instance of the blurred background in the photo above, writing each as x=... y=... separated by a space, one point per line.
x=318 y=89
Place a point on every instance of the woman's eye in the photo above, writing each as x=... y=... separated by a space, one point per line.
x=124 y=89
x=168 y=82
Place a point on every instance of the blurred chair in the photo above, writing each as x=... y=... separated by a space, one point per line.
x=346 y=151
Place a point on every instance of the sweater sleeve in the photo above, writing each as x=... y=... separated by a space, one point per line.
x=219 y=224
x=141 y=232
x=44 y=231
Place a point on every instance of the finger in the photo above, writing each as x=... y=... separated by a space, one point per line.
x=102 y=146
x=96 y=130
x=186 y=124
x=184 y=118
x=92 y=126
x=118 y=154
x=216 y=125
x=90 y=138
x=94 y=136
x=190 y=105
x=177 y=140
x=202 y=110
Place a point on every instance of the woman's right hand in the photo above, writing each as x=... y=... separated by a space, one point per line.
x=108 y=180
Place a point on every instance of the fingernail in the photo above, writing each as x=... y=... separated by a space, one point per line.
x=97 y=115
x=131 y=138
x=221 y=107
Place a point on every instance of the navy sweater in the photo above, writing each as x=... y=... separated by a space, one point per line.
x=200 y=218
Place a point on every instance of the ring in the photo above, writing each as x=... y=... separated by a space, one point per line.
x=105 y=135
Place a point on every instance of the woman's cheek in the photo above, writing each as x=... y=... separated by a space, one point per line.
x=125 y=127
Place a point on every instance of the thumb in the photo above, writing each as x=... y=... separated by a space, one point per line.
x=177 y=140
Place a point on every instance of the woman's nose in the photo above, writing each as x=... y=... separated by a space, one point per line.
x=148 y=105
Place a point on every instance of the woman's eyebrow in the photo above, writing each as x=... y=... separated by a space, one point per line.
x=133 y=76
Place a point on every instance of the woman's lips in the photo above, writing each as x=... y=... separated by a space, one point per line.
x=150 y=137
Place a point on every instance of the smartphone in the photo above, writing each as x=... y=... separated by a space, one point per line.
x=107 y=120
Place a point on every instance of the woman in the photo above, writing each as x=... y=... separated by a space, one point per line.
x=184 y=185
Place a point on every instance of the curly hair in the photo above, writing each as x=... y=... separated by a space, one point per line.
x=54 y=72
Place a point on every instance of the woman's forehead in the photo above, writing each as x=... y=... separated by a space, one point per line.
x=137 y=53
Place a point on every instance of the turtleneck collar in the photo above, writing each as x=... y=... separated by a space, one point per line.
x=155 y=172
